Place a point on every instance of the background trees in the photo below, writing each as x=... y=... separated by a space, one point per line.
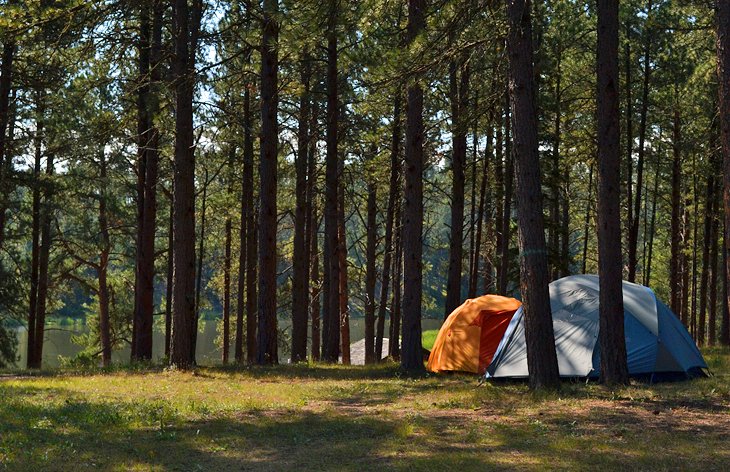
x=389 y=148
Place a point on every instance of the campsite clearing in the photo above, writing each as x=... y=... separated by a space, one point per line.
x=348 y=418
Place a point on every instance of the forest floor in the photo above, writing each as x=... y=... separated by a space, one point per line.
x=317 y=417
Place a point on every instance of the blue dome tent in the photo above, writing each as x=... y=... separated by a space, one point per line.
x=657 y=343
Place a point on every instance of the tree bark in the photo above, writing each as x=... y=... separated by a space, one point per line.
x=634 y=229
x=6 y=72
x=586 y=227
x=267 y=333
x=712 y=315
x=675 y=274
x=331 y=314
x=300 y=283
x=227 y=265
x=723 y=65
x=370 y=275
x=244 y=257
x=541 y=358
x=459 y=83
x=706 y=246
x=614 y=367
x=313 y=238
x=509 y=178
x=148 y=156
x=104 y=323
x=170 y=275
x=412 y=355
x=46 y=218
x=649 y=238
x=394 y=343
x=199 y=273
x=344 y=311
x=31 y=361
x=394 y=194
x=186 y=26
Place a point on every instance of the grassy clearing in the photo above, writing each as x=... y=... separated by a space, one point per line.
x=320 y=417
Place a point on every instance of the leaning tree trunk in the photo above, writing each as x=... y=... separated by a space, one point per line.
x=186 y=26
x=300 y=283
x=541 y=359
x=723 y=66
x=267 y=334
x=411 y=353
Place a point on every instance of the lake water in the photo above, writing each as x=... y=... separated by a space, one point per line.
x=58 y=342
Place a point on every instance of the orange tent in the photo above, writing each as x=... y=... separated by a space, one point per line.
x=471 y=334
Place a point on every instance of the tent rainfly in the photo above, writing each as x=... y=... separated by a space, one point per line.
x=657 y=343
x=470 y=335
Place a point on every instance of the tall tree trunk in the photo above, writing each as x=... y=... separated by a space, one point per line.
x=565 y=231
x=556 y=179
x=251 y=229
x=412 y=355
x=199 y=273
x=459 y=82
x=723 y=65
x=370 y=275
x=170 y=275
x=482 y=211
x=725 y=321
x=148 y=106
x=342 y=258
x=394 y=343
x=695 y=193
x=186 y=26
x=246 y=210
x=316 y=290
x=313 y=224
x=267 y=334
x=473 y=251
x=614 y=367
x=634 y=229
x=509 y=179
x=331 y=314
x=300 y=283
x=706 y=245
x=628 y=84
x=31 y=361
x=6 y=71
x=712 y=316
x=685 y=266
x=394 y=195
x=227 y=264
x=44 y=259
x=675 y=274
x=541 y=359
x=104 y=324
x=649 y=239
x=586 y=227
x=498 y=198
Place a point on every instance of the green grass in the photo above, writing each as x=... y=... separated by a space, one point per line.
x=428 y=338
x=318 y=417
